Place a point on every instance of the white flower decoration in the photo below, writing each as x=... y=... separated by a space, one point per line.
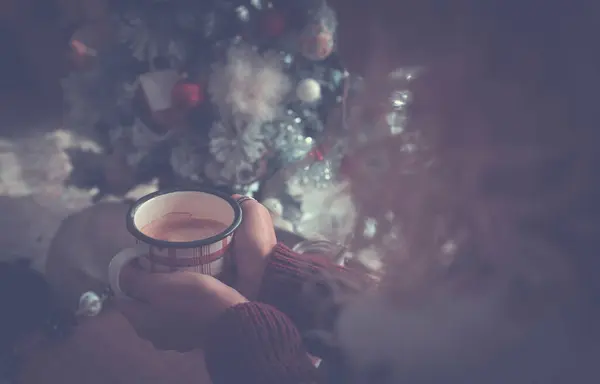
x=250 y=87
x=227 y=146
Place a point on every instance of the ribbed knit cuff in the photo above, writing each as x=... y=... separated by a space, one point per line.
x=287 y=276
x=255 y=343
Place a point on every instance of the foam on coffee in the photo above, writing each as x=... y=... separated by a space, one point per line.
x=182 y=227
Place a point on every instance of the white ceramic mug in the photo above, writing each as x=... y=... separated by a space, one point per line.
x=208 y=255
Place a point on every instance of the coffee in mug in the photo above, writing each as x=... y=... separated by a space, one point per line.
x=179 y=230
x=176 y=227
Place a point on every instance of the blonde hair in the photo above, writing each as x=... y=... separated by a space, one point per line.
x=485 y=203
x=501 y=128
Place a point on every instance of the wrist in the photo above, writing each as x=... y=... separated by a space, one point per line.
x=254 y=342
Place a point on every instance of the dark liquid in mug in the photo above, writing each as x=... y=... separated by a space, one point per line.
x=177 y=227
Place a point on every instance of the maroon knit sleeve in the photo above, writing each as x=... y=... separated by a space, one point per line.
x=256 y=343
x=305 y=287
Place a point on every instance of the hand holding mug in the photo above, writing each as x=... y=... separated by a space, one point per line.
x=174 y=310
x=253 y=242
x=179 y=230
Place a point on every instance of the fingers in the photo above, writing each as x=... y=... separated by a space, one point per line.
x=250 y=206
x=253 y=213
x=162 y=289
x=150 y=287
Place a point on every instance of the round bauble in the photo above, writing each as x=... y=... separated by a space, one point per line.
x=189 y=95
x=316 y=42
x=308 y=90
x=90 y=304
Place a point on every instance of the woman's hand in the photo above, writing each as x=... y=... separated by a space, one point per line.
x=174 y=310
x=252 y=243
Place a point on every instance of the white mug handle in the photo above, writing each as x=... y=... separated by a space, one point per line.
x=117 y=263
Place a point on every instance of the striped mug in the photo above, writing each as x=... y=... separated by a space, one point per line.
x=179 y=230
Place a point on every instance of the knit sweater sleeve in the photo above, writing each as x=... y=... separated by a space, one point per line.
x=308 y=289
x=256 y=343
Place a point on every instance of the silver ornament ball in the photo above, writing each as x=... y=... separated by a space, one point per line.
x=309 y=90
x=90 y=304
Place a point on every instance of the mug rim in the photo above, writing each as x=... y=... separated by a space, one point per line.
x=138 y=234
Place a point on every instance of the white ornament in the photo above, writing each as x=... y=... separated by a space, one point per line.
x=309 y=90
x=249 y=87
x=157 y=86
x=273 y=205
x=90 y=304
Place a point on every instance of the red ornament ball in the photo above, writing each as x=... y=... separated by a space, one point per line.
x=187 y=95
x=316 y=42
x=273 y=23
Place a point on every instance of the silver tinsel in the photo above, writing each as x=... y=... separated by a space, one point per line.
x=286 y=136
x=400 y=98
x=319 y=174
x=396 y=119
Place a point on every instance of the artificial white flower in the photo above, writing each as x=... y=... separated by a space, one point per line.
x=249 y=87
x=228 y=146
x=237 y=152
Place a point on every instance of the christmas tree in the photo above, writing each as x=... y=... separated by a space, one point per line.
x=234 y=94
x=222 y=93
